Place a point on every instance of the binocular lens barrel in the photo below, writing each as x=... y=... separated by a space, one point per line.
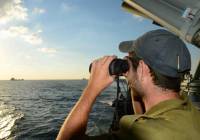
x=117 y=67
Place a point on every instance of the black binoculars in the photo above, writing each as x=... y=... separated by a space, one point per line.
x=116 y=67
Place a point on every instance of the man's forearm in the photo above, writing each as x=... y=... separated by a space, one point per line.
x=76 y=122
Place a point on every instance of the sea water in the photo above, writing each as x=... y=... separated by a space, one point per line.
x=35 y=110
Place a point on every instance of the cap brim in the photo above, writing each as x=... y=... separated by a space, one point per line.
x=127 y=46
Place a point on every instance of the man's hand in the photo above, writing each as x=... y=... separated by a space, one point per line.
x=100 y=77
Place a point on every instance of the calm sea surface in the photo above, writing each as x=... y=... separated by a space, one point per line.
x=35 y=110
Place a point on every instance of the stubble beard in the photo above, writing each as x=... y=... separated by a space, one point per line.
x=136 y=87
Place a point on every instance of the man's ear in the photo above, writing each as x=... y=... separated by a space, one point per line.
x=142 y=71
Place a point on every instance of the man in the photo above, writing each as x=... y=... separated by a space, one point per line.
x=158 y=61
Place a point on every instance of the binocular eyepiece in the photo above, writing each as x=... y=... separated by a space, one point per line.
x=116 y=67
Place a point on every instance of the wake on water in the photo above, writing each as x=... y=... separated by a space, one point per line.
x=8 y=117
x=107 y=102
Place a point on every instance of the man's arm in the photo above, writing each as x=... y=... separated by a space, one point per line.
x=76 y=122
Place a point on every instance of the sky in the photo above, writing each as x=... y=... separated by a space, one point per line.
x=58 y=39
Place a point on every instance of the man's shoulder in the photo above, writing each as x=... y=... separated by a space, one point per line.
x=144 y=127
x=179 y=123
x=143 y=121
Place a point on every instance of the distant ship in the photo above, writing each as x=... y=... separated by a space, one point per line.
x=14 y=79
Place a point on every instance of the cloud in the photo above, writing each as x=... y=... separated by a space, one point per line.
x=48 y=50
x=23 y=33
x=12 y=10
x=139 y=18
x=38 y=11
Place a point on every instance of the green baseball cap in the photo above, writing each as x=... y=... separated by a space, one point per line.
x=163 y=51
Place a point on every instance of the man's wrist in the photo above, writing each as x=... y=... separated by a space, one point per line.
x=90 y=92
x=93 y=89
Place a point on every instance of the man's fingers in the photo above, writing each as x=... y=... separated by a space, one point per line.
x=102 y=62
x=110 y=59
x=104 y=59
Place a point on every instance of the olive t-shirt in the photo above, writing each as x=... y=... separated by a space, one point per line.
x=175 y=119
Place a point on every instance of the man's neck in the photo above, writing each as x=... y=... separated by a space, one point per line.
x=156 y=96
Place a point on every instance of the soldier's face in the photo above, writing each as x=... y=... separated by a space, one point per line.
x=132 y=79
